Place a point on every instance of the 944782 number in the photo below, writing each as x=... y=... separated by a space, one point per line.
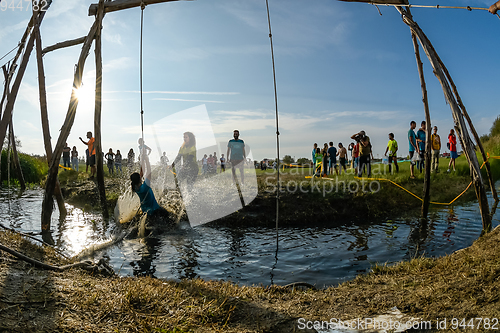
x=26 y=5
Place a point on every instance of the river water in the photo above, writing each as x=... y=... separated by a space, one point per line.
x=323 y=256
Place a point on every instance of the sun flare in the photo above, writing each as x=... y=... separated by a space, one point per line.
x=84 y=93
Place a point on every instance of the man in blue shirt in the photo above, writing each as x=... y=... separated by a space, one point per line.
x=412 y=143
x=156 y=214
x=332 y=162
x=421 y=134
x=236 y=155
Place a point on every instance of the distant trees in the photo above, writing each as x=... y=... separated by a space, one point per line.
x=303 y=161
x=288 y=159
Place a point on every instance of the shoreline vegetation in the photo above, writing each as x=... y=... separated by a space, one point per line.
x=456 y=288
x=461 y=285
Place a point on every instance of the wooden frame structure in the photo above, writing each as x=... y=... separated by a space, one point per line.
x=459 y=113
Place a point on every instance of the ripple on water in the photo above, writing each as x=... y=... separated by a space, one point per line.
x=322 y=256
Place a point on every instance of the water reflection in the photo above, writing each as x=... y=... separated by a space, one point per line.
x=317 y=255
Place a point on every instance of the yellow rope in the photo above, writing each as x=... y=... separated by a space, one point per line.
x=413 y=194
x=64 y=167
x=416 y=196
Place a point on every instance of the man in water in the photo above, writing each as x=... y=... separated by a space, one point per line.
x=236 y=155
x=157 y=214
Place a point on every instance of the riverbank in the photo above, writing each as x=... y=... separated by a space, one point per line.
x=461 y=285
x=330 y=201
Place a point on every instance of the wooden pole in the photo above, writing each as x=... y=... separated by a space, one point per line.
x=11 y=98
x=116 y=5
x=45 y=118
x=61 y=45
x=97 y=115
x=17 y=164
x=5 y=88
x=427 y=175
x=65 y=130
x=460 y=125
x=5 y=69
x=473 y=130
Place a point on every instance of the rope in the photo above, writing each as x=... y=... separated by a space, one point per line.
x=469 y=8
x=141 y=78
x=64 y=167
x=277 y=128
x=413 y=194
x=11 y=51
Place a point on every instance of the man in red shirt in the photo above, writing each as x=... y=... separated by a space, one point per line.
x=90 y=143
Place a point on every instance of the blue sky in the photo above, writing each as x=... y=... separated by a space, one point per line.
x=341 y=68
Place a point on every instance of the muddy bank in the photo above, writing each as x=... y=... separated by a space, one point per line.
x=299 y=208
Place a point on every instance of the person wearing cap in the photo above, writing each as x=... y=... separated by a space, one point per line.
x=365 y=152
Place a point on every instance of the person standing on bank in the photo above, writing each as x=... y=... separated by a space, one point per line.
x=236 y=155
x=332 y=162
x=90 y=144
x=342 y=153
x=118 y=161
x=315 y=146
x=365 y=152
x=452 y=141
x=421 y=138
x=412 y=143
x=130 y=159
x=392 y=148
x=436 y=147
x=222 y=164
x=325 y=159
x=66 y=156
x=74 y=159
x=110 y=157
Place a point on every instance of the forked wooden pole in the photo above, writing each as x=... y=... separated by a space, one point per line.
x=12 y=95
x=473 y=130
x=97 y=115
x=111 y=6
x=62 y=45
x=45 y=118
x=458 y=118
x=427 y=175
x=65 y=130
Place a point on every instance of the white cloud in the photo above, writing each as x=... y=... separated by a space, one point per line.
x=29 y=93
x=186 y=100
x=118 y=64
x=115 y=39
x=6 y=31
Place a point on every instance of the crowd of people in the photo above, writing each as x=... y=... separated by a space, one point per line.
x=70 y=158
x=325 y=160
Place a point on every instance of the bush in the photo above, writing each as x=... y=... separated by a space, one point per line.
x=33 y=168
x=495 y=129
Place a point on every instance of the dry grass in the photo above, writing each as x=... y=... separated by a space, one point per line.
x=462 y=285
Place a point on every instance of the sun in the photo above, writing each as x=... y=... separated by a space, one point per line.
x=84 y=93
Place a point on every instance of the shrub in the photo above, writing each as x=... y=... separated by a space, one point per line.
x=33 y=168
